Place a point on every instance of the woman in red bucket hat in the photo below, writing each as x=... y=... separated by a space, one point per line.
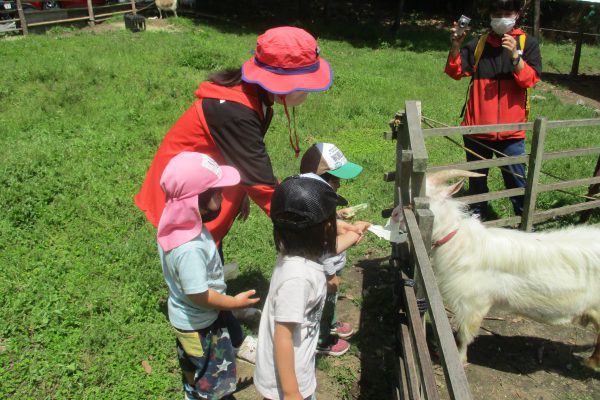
x=231 y=116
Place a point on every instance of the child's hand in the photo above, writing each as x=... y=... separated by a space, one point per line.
x=333 y=283
x=343 y=227
x=243 y=300
x=344 y=213
x=362 y=225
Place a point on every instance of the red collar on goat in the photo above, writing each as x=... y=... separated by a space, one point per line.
x=445 y=239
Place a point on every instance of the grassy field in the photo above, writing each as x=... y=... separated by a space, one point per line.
x=82 y=298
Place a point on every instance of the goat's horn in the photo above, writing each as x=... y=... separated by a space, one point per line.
x=444 y=176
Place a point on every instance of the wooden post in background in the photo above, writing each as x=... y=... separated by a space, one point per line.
x=22 y=18
x=533 y=172
x=133 y=9
x=536 y=19
x=92 y=20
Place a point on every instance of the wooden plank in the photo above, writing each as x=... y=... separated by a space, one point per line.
x=480 y=164
x=59 y=21
x=467 y=130
x=542 y=216
x=571 y=123
x=415 y=133
x=568 y=184
x=415 y=323
x=133 y=9
x=533 y=173
x=418 y=184
x=410 y=368
x=402 y=389
x=22 y=18
x=405 y=175
x=553 y=155
x=456 y=379
x=500 y=194
x=504 y=222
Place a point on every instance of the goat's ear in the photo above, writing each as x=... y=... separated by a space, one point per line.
x=453 y=189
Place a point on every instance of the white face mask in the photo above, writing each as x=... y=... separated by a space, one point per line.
x=502 y=25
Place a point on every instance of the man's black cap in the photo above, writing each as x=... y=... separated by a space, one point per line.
x=304 y=200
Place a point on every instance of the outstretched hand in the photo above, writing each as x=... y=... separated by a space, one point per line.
x=244 y=300
x=244 y=210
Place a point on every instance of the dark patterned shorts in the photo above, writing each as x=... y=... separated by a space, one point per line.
x=208 y=354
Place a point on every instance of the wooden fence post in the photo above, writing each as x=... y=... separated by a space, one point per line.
x=536 y=19
x=22 y=17
x=90 y=8
x=133 y=9
x=533 y=172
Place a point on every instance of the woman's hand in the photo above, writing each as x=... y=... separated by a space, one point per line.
x=244 y=210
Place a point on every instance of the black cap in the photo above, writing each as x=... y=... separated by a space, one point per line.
x=304 y=200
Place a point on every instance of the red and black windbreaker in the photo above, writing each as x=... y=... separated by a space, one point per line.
x=228 y=124
x=498 y=94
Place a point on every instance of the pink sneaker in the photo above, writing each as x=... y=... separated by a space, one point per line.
x=342 y=330
x=336 y=349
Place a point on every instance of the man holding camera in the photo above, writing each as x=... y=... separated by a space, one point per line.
x=503 y=64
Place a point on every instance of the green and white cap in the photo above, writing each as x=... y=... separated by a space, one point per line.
x=323 y=158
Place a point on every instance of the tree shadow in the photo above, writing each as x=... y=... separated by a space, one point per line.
x=363 y=25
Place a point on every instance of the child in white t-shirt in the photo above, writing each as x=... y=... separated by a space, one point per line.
x=328 y=161
x=304 y=229
x=199 y=308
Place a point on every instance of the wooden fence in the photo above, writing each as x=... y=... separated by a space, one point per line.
x=417 y=284
x=91 y=14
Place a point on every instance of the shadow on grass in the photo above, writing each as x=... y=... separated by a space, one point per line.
x=376 y=338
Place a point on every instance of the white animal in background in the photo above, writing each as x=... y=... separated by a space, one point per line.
x=166 y=5
x=552 y=277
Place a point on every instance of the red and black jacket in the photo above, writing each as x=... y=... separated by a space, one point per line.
x=229 y=125
x=498 y=94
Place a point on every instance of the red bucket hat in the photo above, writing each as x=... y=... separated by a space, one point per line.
x=287 y=59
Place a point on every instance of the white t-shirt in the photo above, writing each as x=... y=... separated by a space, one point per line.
x=193 y=267
x=296 y=294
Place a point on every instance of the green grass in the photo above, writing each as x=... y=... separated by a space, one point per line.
x=82 y=297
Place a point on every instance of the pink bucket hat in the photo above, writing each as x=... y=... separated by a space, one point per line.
x=287 y=59
x=186 y=176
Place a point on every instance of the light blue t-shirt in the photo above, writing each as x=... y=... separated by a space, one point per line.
x=190 y=268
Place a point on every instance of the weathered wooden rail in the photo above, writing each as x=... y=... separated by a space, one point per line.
x=417 y=285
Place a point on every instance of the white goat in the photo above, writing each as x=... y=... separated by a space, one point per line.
x=166 y=5
x=551 y=277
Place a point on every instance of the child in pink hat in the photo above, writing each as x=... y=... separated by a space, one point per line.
x=199 y=309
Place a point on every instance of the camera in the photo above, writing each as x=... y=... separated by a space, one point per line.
x=463 y=23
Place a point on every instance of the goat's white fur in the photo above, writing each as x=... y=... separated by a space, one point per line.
x=166 y=5
x=551 y=277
